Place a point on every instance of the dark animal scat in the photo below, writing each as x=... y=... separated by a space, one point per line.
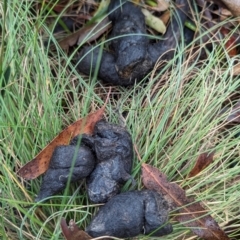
x=130 y=214
x=106 y=179
x=62 y=167
x=133 y=55
x=110 y=144
x=113 y=148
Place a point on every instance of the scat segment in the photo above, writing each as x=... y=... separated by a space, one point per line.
x=132 y=55
x=60 y=170
x=113 y=148
x=130 y=214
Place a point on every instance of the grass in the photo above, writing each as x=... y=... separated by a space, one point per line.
x=173 y=118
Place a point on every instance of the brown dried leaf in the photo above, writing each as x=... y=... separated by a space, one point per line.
x=73 y=232
x=88 y=33
x=203 y=161
x=231 y=43
x=165 y=17
x=191 y=213
x=40 y=163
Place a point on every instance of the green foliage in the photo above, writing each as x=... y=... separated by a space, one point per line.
x=173 y=118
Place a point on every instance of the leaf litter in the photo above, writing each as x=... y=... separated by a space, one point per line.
x=72 y=232
x=190 y=213
x=202 y=162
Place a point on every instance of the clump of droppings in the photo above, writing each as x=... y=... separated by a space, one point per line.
x=132 y=54
x=113 y=148
x=71 y=161
x=130 y=214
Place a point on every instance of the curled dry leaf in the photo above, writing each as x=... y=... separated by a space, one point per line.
x=203 y=161
x=40 y=163
x=191 y=213
x=72 y=232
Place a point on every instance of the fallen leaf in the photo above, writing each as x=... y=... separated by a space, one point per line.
x=40 y=163
x=203 y=161
x=87 y=34
x=165 y=17
x=231 y=43
x=73 y=232
x=191 y=213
